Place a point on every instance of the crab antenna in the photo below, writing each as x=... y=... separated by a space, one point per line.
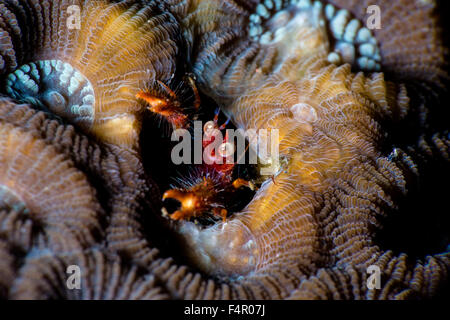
x=216 y=115
x=197 y=101
x=224 y=125
x=168 y=90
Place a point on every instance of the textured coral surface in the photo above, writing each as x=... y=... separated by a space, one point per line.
x=361 y=127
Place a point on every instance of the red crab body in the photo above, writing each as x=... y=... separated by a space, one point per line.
x=210 y=185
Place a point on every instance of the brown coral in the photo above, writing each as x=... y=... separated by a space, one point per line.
x=344 y=172
x=117 y=174
x=398 y=280
x=45 y=276
x=408 y=54
x=251 y=39
x=7 y=269
x=39 y=185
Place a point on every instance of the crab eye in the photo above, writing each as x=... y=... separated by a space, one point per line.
x=209 y=126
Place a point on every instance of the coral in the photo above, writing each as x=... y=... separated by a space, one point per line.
x=398 y=281
x=320 y=212
x=7 y=269
x=45 y=276
x=326 y=126
x=250 y=40
x=356 y=114
x=116 y=173
x=88 y=76
x=44 y=188
x=409 y=55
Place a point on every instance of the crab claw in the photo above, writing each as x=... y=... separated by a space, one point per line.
x=238 y=183
x=178 y=215
x=221 y=212
x=189 y=203
x=155 y=104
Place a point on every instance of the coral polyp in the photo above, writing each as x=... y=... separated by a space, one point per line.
x=351 y=94
x=36 y=83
